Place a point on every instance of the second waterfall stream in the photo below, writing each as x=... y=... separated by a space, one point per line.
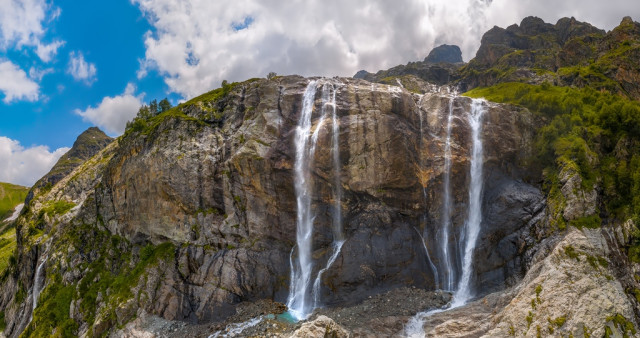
x=469 y=236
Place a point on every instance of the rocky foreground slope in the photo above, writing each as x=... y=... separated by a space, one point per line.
x=188 y=222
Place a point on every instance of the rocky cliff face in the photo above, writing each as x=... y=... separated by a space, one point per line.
x=569 y=53
x=192 y=215
x=89 y=143
x=445 y=53
x=214 y=179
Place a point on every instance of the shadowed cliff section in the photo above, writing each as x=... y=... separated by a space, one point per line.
x=444 y=53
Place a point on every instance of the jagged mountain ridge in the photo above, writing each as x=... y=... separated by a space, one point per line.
x=193 y=212
x=569 y=53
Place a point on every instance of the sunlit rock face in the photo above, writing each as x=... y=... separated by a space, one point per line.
x=217 y=181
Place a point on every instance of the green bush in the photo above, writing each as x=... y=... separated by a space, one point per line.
x=60 y=207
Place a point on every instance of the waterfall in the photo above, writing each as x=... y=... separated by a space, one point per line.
x=16 y=213
x=38 y=281
x=298 y=302
x=424 y=215
x=316 y=285
x=474 y=217
x=304 y=297
x=449 y=268
x=338 y=236
x=415 y=326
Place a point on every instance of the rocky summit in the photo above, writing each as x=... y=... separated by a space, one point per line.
x=387 y=204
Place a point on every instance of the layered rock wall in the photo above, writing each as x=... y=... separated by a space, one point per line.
x=220 y=190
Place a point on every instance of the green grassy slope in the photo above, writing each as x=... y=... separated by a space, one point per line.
x=10 y=196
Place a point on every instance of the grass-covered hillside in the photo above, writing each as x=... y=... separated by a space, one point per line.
x=10 y=196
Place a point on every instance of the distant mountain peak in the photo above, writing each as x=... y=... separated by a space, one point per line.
x=445 y=53
x=87 y=144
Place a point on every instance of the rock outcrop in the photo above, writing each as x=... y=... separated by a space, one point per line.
x=571 y=289
x=444 y=53
x=321 y=327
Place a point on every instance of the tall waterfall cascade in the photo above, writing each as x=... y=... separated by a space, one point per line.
x=304 y=296
x=469 y=236
x=445 y=230
x=474 y=216
x=38 y=284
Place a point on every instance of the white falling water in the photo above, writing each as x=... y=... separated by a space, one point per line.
x=38 y=281
x=449 y=268
x=338 y=236
x=298 y=301
x=415 y=326
x=472 y=225
x=304 y=297
x=16 y=213
x=424 y=215
x=336 y=247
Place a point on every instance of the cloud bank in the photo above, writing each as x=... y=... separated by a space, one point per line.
x=21 y=24
x=195 y=44
x=113 y=113
x=15 y=85
x=24 y=166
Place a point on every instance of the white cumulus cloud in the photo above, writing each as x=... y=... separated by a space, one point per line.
x=113 y=113
x=15 y=85
x=195 y=44
x=21 y=24
x=24 y=166
x=46 y=52
x=37 y=73
x=80 y=69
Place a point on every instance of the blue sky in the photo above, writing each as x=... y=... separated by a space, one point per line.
x=69 y=65
x=109 y=34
